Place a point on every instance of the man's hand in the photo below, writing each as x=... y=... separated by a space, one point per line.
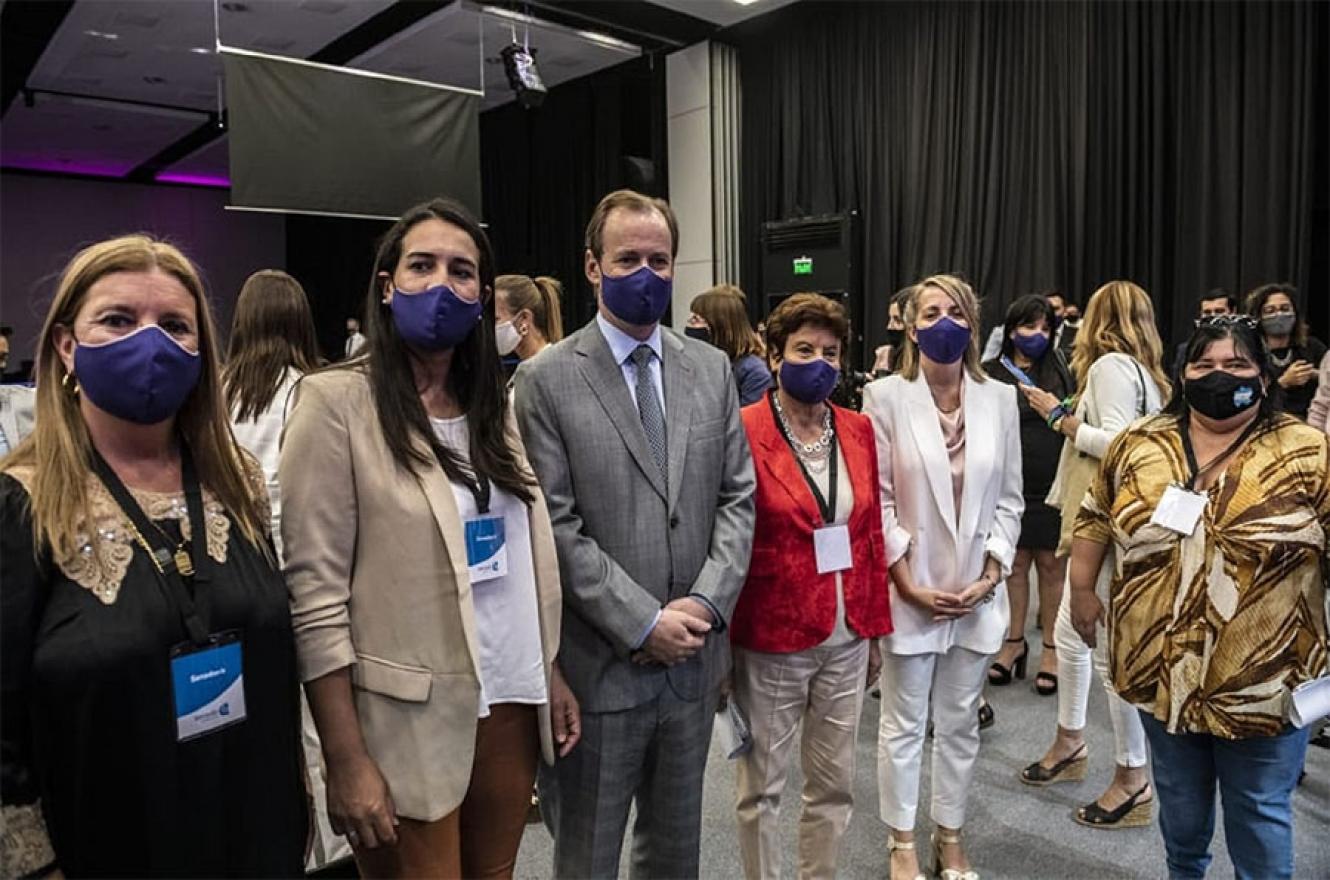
x=693 y=608
x=677 y=636
x=565 y=714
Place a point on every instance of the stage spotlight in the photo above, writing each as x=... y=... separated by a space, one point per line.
x=520 y=64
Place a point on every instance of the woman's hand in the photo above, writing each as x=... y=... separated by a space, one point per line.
x=977 y=592
x=874 y=661
x=565 y=714
x=359 y=803
x=943 y=606
x=1297 y=374
x=1040 y=400
x=1087 y=612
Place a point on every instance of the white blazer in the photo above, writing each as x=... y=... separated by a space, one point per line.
x=918 y=508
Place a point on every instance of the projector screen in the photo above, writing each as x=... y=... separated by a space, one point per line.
x=310 y=138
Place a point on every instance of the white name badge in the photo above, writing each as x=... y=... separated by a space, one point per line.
x=832 y=544
x=208 y=685
x=1311 y=702
x=486 y=548
x=1179 y=510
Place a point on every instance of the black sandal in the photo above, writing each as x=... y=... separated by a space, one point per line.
x=987 y=717
x=1131 y=813
x=999 y=675
x=1046 y=683
x=1069 y=769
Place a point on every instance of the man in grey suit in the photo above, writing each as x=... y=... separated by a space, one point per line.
x=634 y=433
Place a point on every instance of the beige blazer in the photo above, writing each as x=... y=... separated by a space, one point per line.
x=376 y=567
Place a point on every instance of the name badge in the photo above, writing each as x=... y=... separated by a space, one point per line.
x=208 y=685
x=1179 y=510
x=486 y=548
x=832 y=544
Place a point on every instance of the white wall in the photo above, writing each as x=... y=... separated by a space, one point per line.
x=45 y=220
x=688 y=107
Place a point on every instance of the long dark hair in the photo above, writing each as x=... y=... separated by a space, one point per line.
x=1026 y=310
x=475 y=378
x=272 y=330
x=1248 y=340
x=1256 y=301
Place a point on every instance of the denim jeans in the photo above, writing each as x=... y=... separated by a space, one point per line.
x=1255 y=778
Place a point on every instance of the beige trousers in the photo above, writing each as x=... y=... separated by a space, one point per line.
x=824 y=689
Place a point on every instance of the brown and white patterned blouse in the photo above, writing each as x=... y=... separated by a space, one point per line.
x=1211 y=632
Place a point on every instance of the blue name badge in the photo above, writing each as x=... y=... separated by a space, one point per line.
x=486 y=549
x=208 y=684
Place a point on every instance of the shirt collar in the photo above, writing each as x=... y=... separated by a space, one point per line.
x=622 y=345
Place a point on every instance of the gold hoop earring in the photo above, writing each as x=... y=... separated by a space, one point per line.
x=64 y=383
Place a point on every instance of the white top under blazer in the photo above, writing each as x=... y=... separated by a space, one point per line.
x=918 y=509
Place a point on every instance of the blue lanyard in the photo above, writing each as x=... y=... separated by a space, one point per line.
x=1016 y=371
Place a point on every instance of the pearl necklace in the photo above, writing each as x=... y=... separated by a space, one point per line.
x=814 y=454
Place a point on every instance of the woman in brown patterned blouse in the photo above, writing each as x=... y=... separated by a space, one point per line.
x=1217 y=511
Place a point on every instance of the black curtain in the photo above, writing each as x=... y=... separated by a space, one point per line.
x=332 y=258
x=1031 y=145
x=544 y=170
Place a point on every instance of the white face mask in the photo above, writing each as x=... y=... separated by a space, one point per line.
x=506 y=338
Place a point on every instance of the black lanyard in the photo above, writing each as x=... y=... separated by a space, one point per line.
x=1194 y=472
x=825 y=505
x=163 y=561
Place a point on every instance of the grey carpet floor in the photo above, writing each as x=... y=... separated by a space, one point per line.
x=1013 y=830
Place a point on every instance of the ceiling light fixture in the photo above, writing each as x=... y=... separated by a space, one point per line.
x=608 y=41
x=745 y=2
x=200 y=50
x=102 y=35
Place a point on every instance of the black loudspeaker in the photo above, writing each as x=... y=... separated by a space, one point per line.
x=816 y=255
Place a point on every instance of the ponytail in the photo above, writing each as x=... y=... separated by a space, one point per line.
x=550 y=317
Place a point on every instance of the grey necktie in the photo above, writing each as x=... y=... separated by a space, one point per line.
x=648 y=406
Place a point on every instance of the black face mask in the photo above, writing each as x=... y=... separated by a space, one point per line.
x=700 y=333
x=1220 y=395
x=895 y=337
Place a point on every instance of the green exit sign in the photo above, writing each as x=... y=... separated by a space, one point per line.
x=803 y=265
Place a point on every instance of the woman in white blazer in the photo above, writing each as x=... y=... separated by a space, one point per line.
x=948 y=445
x=1120 y=378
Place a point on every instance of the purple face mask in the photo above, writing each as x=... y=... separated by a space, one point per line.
x=434 y=319
x=639 y=298
x=809 y=382
x=1031 y=345
x=945 y=341
x=144 y=377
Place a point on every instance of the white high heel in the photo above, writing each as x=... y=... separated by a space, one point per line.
x=904 y=846
x=951 y=838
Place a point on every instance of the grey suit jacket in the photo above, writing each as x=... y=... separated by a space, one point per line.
x=16 y=412
x=627 y=542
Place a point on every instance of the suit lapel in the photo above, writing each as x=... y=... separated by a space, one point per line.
x=677 y=373
x=605 y=378
x=979 y=449
x=448 y=519
x=932 y=449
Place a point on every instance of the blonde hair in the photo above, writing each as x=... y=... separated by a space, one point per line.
x=960 y=293
x=1119 y=319
x=540 y=296
x=59 y=449
x=725 y=310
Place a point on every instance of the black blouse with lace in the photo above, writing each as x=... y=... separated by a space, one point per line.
x=93 y=779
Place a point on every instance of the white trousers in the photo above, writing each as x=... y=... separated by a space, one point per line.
x=954 y=681
x=823 y=688
x=1075 y=659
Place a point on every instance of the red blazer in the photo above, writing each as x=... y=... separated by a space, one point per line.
x=785 y=605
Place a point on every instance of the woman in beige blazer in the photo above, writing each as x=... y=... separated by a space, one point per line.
x=424 y=586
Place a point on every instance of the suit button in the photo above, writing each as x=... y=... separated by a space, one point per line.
x=674 y=521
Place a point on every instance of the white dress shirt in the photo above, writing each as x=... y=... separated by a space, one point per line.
x=622 y=347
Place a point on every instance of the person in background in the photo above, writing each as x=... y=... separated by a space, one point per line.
x=1066 y=322
x=634 y=432
x=1208 y=305
x=273 y=344
x=805 y=627
x=355 y=341
x=527 y=313
x=1029 y=358
x=949 y=459
x=1217 y=613
x=16 y=415
x=1318 y=413
x=5 y=333
x=127 y=505
x=1294 y=353
x=720 y=317
x=1120 y=378
x=887 y=354
x=420 y=562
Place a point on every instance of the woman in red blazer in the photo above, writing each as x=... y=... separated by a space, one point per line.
x=816 y=596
